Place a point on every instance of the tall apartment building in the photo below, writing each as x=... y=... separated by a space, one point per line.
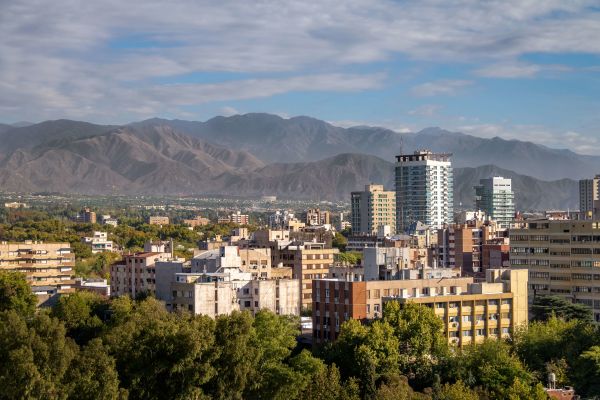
x=48 y=267
x=135 y=274
x=316 y=216
x=424 y=189
x=495 y=197
x=372 y=208
x=589 y=197
x=562 y=257
x=470 y=311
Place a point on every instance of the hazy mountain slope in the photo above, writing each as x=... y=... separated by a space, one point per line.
x=57 y=131
x=301 y=139
x=152 y=160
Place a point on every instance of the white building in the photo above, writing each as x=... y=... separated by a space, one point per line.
x=99 y=242
x=424 y=189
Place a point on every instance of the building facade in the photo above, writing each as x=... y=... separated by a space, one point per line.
x=589 y=197
x=495 y=197
x=135 y=274
x=562 y=257
x=372 y=208
x=316 y=216
x=470 y=311
x=424 y=190
x=158 y=220
x=86 y=216
x=48 y=267
x=99 y=242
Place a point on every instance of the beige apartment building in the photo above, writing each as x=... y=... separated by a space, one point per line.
x=470 y=311
x=48 y=267
x=136 y=273
x=308 y=261
x=372 y=208
x=197 y=221
x=562 y=257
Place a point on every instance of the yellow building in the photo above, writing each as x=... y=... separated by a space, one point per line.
x=490 y=309
x=562 y=257
x=372 y=208
x=48 y=267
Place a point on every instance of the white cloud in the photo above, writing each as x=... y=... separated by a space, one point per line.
x=228 y=111
x=77 y=59
x=439 y=88
x=578 y=142
x=509 y=70
x=427 y=110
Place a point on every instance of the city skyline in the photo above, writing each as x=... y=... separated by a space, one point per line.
x=515 y=70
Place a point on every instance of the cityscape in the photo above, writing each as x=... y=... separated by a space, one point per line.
x=278 y=200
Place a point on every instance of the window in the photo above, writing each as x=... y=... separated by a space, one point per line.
x=466 y=318
x=467 y=333
x=480 y=332
x=247 y=303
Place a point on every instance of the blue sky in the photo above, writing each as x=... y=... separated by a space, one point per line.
x=519 y=69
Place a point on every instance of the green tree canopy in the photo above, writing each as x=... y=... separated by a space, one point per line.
x=544 y=307
x=15 y=293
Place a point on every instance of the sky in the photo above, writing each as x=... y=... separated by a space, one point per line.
x=518 y=69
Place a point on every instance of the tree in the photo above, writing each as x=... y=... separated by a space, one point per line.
x=92 y=374
x=491 y=366
x=587 y=372
x=161 y=355
x=35 y=354
x=544 y=307
x=81 y=313
x=15 y=293
x=396 y=387
x=339 y=242
x=421 y=339
x=456 y=391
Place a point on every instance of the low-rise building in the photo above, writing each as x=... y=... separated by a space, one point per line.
x=158 y=220
x=86 y=216
x=48 y=267
x=98 y=286
x=197 y=221
x=99 y=242
x=470 y=311
x=109 y=220
x=15 y=204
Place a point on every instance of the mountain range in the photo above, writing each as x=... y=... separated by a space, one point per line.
x=257 y=154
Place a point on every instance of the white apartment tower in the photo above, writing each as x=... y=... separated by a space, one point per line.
x=495 y=197
x=424 y=189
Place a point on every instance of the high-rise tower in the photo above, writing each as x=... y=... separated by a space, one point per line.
x=424 y=189
x=495 y=197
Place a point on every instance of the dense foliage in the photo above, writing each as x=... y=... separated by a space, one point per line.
x=89 y=347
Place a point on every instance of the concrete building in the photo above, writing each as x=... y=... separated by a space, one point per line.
x=424 y=189
x=135 y=274
x=158 y=220
x=308 y=261
x=316 y=217
x=562 y=257
x=197 y=221
x=48 y=267
x=372 y=208
x=495 y=197
x=470 y=311
x=99 y=242
x=589 y=197
x=16 y=205
x=215 y=294
x=108 y=220
x=86 y=216
x=389 y=263
x=460 y=246
x=98 y=286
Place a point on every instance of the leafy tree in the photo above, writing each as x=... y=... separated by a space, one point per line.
x=350 y=257
x=320 y=381
x=421 y=340
x=92 y=374
x=339 y=242
x=34 y=357
x=544 y=307
x=81 y=312
x=396 y=387
x=15 y=293
x=456 y=391
x=587 y=374
x=491 y=366
x=161 y=355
